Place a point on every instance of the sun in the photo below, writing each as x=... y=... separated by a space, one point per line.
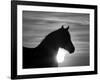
x=60 y=55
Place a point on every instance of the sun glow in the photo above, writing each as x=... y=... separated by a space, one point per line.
x=61 y=54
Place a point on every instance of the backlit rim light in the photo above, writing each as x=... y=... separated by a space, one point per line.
x=60 y=55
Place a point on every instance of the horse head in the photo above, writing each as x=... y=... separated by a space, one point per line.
x=63 y=39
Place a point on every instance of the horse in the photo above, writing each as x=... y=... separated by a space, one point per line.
x=44 y=54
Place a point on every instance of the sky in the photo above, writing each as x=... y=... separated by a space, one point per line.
x=36 y=25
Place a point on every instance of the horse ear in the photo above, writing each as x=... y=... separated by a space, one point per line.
x=67 y=28
x=62 y=27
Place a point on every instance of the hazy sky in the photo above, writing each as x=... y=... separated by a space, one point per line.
x=36 y=25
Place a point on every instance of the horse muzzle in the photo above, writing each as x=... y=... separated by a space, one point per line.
x=72 y=50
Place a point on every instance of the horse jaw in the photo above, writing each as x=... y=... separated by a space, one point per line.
x=60 y=55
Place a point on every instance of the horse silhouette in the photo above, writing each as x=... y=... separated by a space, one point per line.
x=44 y=55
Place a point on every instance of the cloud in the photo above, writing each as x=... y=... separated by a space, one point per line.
x=53 y=17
